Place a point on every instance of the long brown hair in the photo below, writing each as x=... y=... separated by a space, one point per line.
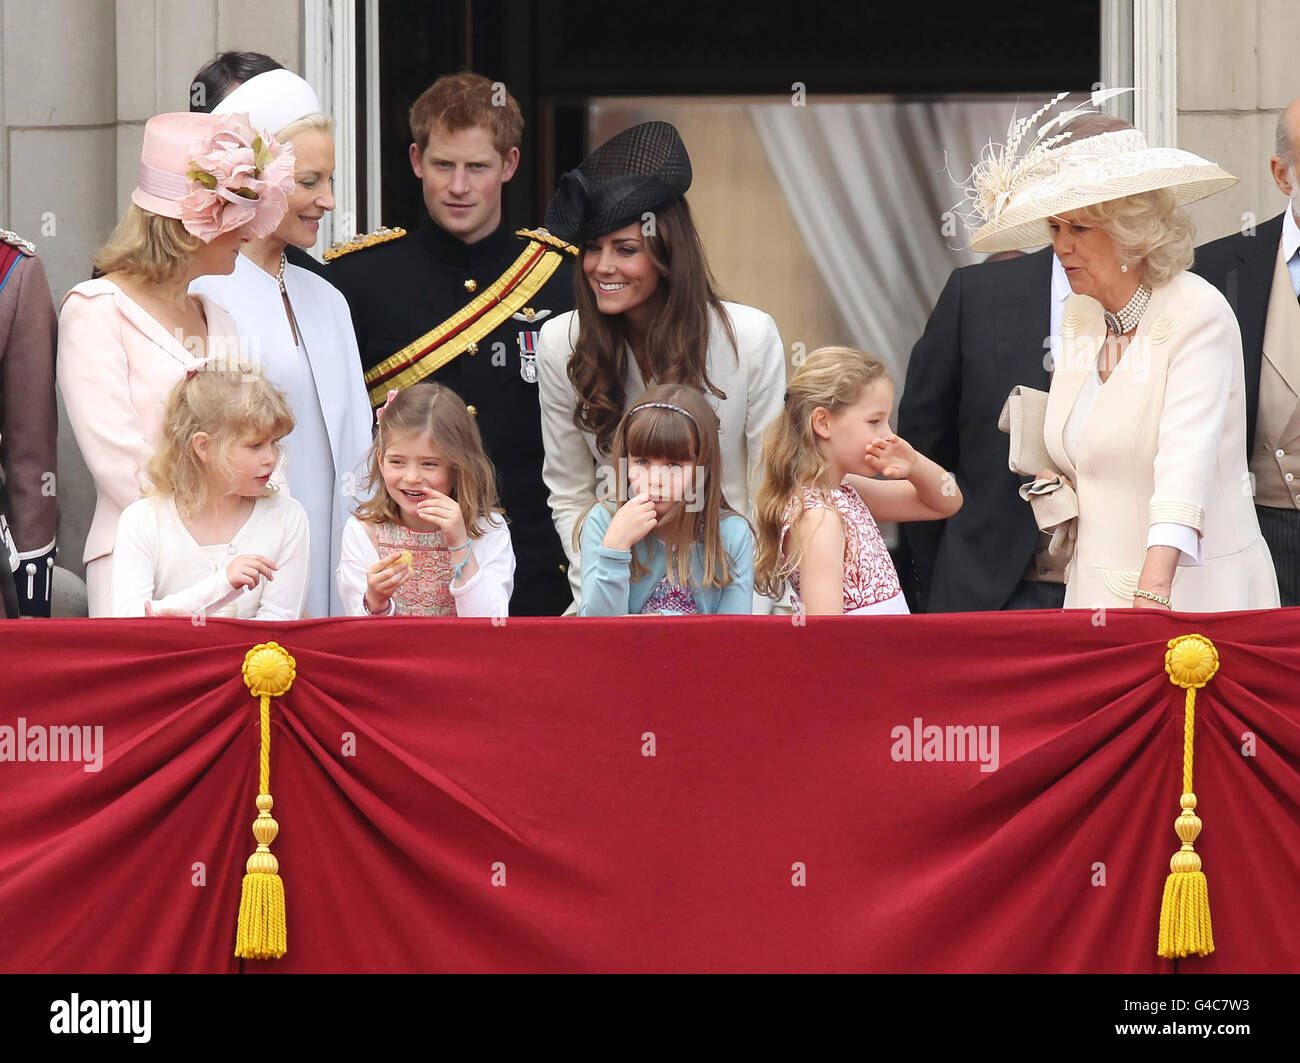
x=438 y=413
x=226 y=403
x=653 y=431
x=831 y=378
x=677 y=344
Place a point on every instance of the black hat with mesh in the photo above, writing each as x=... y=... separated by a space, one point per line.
x=638 y=170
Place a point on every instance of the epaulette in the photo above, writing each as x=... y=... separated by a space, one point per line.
x=382 y=235
x=14 y=240
x=542 y=236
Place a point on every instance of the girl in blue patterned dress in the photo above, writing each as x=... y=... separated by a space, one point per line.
x=665 y=541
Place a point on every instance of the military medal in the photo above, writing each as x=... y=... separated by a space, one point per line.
x=530 y=315
x=528 y=356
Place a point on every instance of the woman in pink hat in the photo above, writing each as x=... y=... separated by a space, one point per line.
x=207 y=184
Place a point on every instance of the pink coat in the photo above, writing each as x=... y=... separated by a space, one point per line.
x=116 y=366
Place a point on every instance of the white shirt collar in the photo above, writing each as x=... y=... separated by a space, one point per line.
x=1290 y=234
x=1061 y=289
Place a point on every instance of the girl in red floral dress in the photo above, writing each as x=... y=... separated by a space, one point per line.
x=431 y=541
x=820 y=499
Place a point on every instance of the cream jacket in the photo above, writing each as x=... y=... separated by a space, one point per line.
x=1165 y=443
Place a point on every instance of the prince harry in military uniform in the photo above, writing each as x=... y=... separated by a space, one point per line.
x=460 y=301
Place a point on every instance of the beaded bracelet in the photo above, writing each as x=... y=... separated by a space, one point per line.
x=1139 y=593
x=457 y=569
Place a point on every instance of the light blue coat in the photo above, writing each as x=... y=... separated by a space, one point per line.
x=607 y=586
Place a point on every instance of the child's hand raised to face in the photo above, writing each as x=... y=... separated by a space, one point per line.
x=444 y=511
x=634 y=520
x=891 y=457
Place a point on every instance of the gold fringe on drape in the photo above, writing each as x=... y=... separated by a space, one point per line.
x=268 y=671
x=1191 y=661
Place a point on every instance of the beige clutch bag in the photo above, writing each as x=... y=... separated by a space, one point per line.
x=1022 y=419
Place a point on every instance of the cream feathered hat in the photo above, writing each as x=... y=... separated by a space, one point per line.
x=1015 y=188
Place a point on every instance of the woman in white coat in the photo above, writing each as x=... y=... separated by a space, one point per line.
x=647 y=313
x=1146 y=417
x=301 y=329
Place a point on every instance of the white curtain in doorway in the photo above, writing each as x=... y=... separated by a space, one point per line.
x=869 y=187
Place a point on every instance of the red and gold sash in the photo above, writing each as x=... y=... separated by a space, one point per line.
x=462 y=331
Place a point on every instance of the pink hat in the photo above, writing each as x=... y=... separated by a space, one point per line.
x=214 y=173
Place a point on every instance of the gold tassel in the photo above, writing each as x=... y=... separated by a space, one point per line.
x=269 y=671
x=1191 y=661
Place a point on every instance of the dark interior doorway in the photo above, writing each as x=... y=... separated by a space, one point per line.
x=555 y=55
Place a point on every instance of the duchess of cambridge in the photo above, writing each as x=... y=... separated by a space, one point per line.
x=1146 y=416
x=647 y=313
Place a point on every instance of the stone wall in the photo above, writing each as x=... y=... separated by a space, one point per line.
x=80 y=78
x=1236 y=71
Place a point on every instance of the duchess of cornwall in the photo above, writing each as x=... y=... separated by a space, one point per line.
x=1146 y=416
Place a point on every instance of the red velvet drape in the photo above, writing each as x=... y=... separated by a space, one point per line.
x=486 y=754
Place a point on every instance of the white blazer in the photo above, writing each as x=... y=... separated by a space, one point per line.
x=1165 y=443
x=752 y=377
x=252 y=296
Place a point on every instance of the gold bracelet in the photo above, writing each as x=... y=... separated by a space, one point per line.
x=1139 y=593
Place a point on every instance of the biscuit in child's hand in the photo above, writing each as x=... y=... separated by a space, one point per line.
x=404 y=558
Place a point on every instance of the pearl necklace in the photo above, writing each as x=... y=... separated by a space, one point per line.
x=279 y=275
x=1131 y=313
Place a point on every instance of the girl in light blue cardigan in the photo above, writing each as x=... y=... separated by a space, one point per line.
x=665 y=542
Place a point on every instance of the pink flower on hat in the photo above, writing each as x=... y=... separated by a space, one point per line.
x=202 y=214
x=273 y=186
x=227 y=152
x=238 y=176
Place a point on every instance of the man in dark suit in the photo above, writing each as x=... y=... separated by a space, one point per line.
x=989 y=331
x=1258 y=272
x=986 y=335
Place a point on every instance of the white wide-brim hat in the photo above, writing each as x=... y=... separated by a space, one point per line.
x=1091 y=170
x=272 y=100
